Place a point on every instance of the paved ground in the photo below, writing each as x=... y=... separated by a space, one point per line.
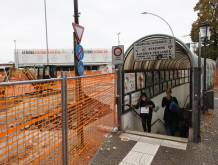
x=204 y=153
x=113 y=150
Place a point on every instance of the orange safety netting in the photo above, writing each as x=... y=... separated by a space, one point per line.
x=31 y=120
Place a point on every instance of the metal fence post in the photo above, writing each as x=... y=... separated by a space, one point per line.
x=64 y=118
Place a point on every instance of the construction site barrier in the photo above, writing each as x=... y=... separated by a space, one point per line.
x=56 y=121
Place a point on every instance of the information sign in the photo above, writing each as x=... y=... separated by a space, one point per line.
x=154 y=49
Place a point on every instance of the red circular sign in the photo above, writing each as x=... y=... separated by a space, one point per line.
x=118 y=51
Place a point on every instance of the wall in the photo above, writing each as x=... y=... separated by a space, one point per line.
x=61 y=57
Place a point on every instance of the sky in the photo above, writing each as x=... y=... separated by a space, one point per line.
x=24 y=21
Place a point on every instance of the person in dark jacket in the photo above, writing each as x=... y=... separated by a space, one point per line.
x=170 y=117
x=146 y=107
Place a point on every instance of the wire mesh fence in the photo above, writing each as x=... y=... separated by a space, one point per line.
x=41 y=119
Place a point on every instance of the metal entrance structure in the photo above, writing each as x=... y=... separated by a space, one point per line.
x=154 y=77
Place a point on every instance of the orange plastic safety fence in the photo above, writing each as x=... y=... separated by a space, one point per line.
x=31 y=120
x=91 y=115
x=30 y=127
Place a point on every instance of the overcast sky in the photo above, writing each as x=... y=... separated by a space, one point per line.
x=23 y=21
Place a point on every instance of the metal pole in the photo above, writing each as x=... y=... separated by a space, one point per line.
x=79 y=93
x=199 y=89
x=15 y=54
x=196 y=108
x=76 y=20
x=174 y=43
x=119 y=96
x=64 y=119
x=161 y=19
x=118 y=38
x=205 y=84
x=15 y=47
x=46 y=31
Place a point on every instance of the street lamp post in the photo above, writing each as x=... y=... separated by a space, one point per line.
x=204 y=37
x=46 y=36
x=161 y=19
x=118 y=38
x=164 y=21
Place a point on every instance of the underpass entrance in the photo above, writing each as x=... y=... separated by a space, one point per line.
x=154 y=76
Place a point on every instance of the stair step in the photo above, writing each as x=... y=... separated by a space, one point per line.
x=158 y=136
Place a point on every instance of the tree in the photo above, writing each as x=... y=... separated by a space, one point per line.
x=207 y=11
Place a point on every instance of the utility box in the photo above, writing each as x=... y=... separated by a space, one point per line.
x=210 y=99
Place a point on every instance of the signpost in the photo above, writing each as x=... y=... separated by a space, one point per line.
x=79 y=52
x=117 y=60
x=80 y=68
x=117 y=54
x=78 y=29
x=154 y=49
x=78 y=33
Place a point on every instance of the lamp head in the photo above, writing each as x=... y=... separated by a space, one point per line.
x=204 y=31
x=144 y=12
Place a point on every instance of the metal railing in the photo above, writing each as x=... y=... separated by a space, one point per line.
x=55 y=121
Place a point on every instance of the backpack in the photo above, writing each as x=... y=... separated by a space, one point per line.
x=174 y=107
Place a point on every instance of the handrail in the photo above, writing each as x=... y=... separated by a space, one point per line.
x=133 y=108
x=186 y=100
x=157 y=121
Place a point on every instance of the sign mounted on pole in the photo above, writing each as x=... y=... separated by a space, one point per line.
x=154 y=49
x=79 y=52
x=79 y=31
x=117 y=54
x=80 y=68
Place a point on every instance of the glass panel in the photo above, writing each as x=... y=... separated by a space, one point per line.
x=147 y=91
x=161 y=87
x=180 y=73
x=156 y=77
x=135 y=97
x=169 y=84
x=151 y=92
x=140 y=80
x=161 y=76
x=164 y=86
x=149 y=80
x=143 y=90
x=126 y=101
x=175 y=74
x=173 y=83
x=186 y=73
x=171 y=75
x=183 y=80
x=183 y=73
x=129 y=82
x=166 y=75
x=177 y=81
x=156 y=89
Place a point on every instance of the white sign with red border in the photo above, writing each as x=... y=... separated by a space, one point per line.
x=117 y=54
x=79 y=31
